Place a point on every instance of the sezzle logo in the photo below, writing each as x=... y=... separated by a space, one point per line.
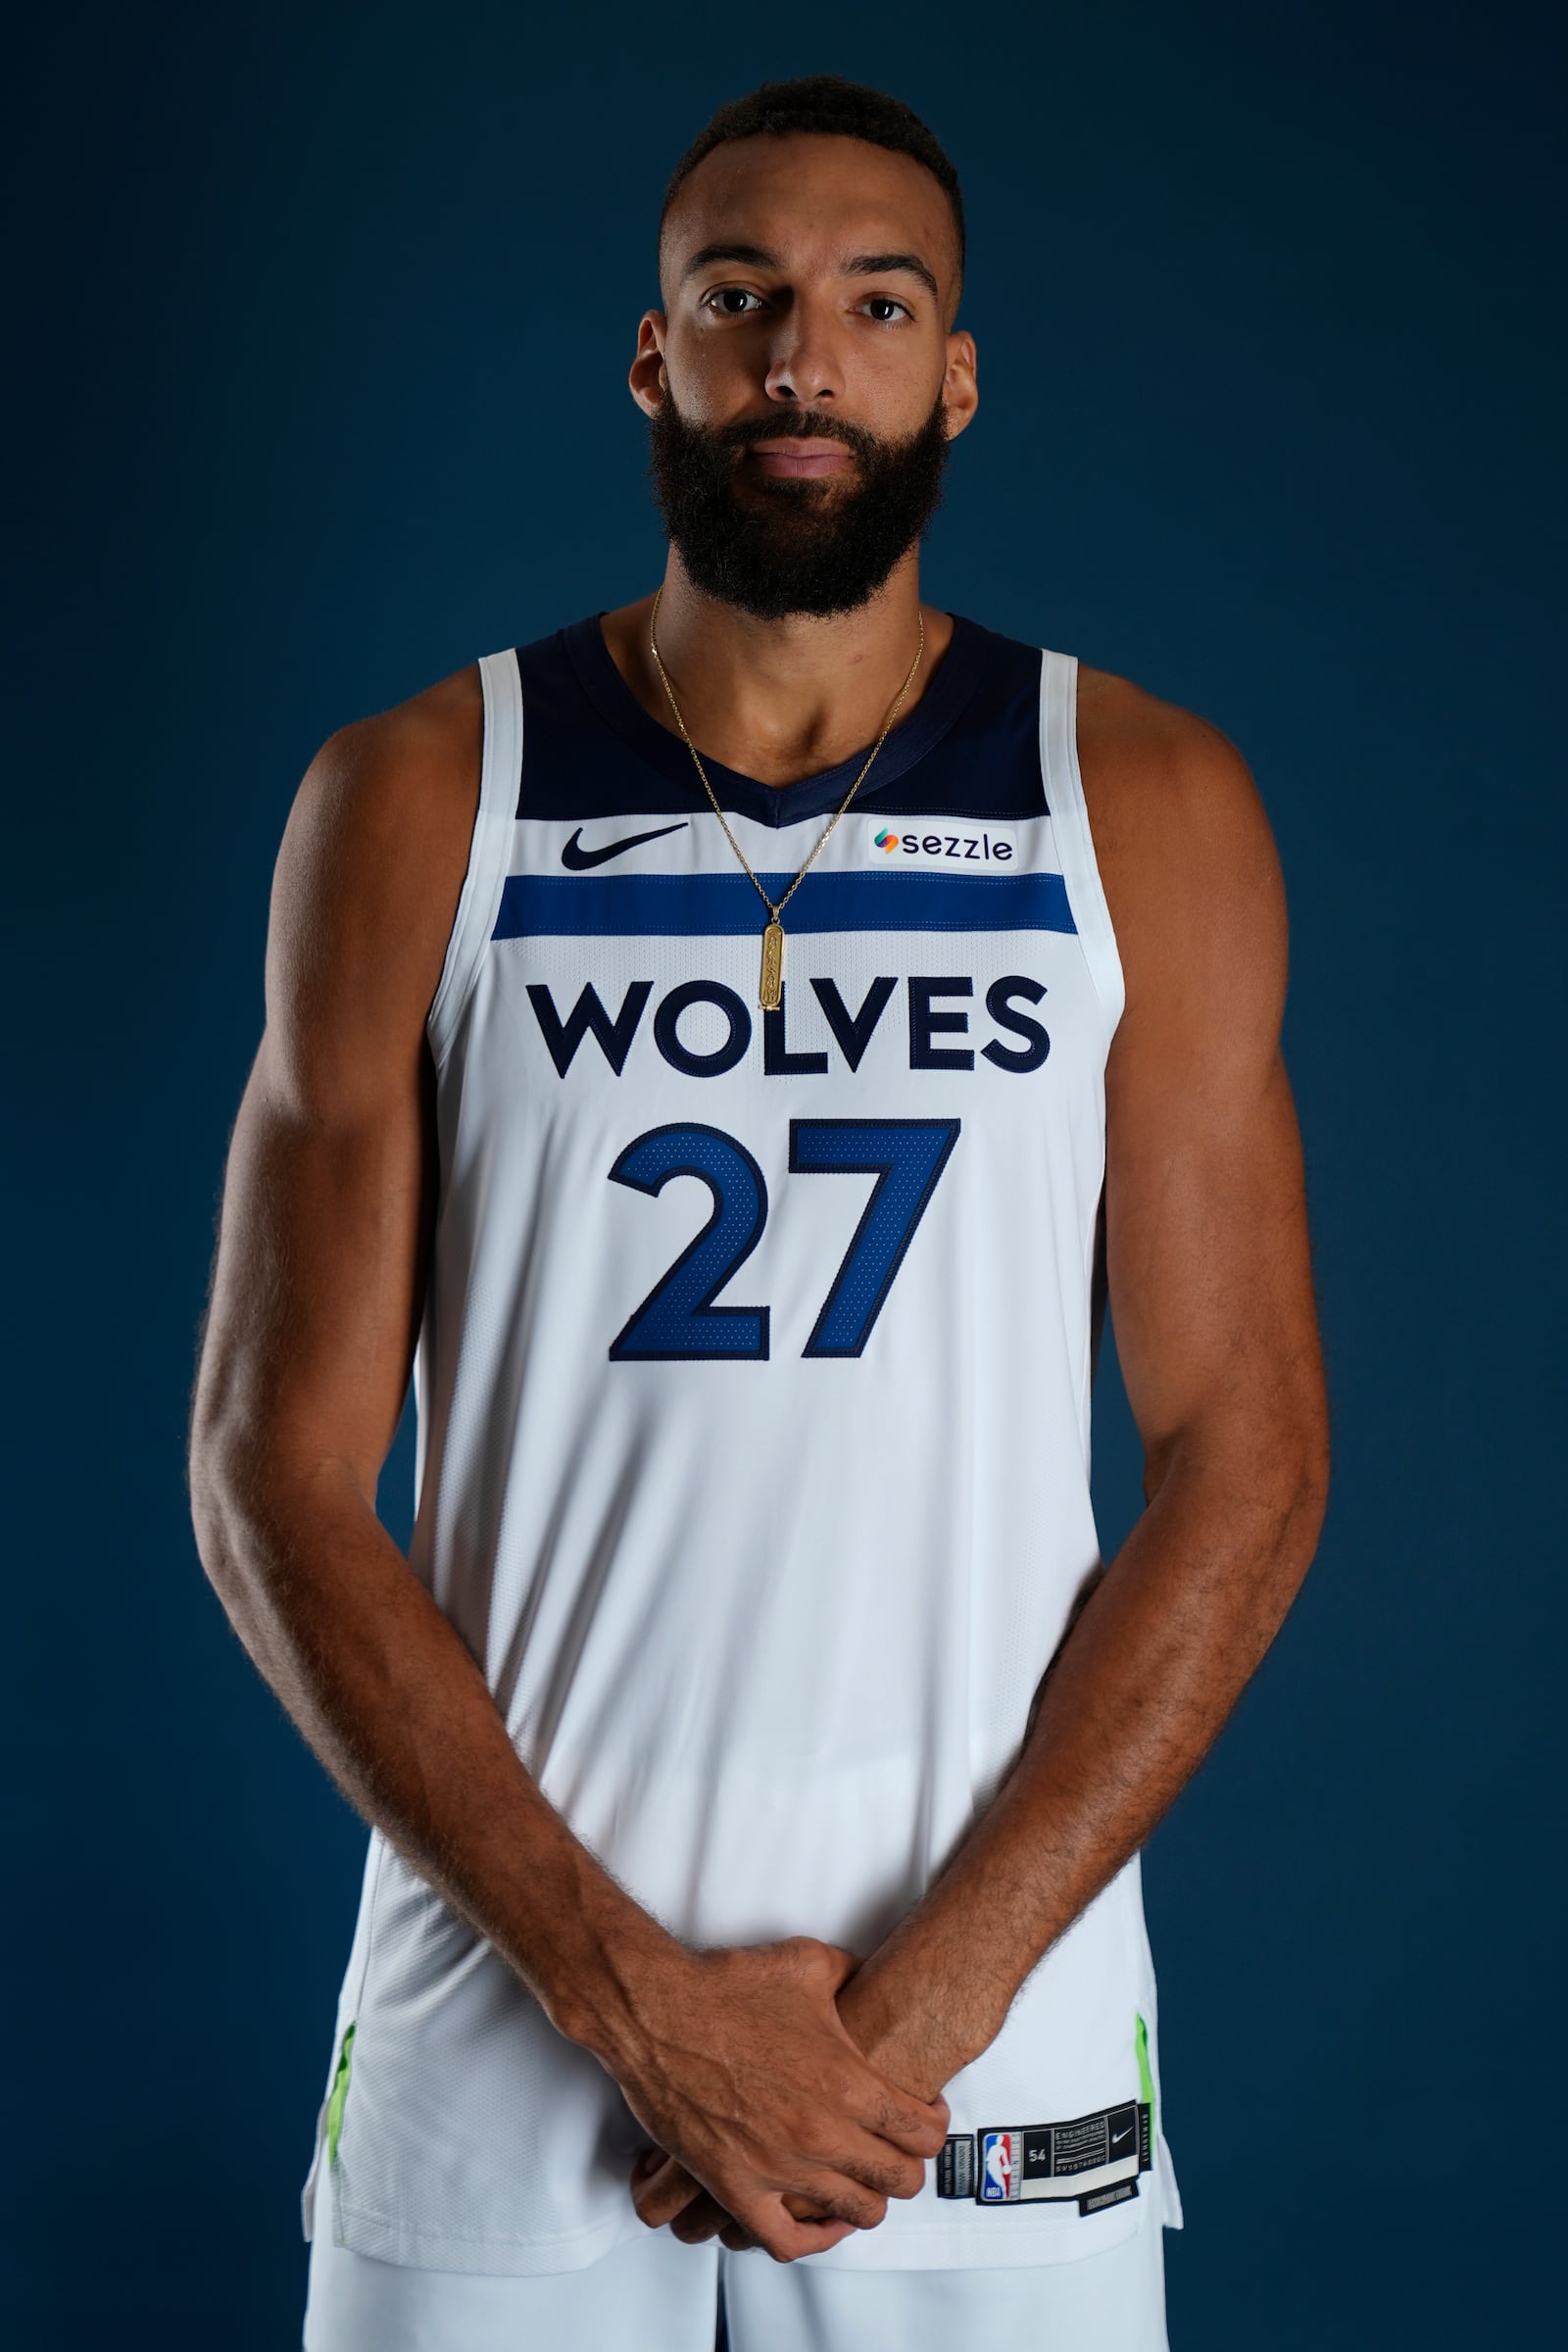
x=979 y=849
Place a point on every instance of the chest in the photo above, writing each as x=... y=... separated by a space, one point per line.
x=927 y=1094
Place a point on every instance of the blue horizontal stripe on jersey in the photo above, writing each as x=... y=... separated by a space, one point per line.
x=726 y=906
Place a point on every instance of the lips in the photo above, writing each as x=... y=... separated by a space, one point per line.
x=800 y=461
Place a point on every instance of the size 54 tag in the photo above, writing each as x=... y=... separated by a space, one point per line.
x=1092 y=2159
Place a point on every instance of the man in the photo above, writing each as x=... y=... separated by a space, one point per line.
x=727 y=1046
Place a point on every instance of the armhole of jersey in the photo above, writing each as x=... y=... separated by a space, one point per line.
x=489 y=851
x=1070 y=821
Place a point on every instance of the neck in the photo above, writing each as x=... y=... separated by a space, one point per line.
x=778 y=699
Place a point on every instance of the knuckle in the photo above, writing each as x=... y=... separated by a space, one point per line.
x=862 y=2207
x=915 y=2125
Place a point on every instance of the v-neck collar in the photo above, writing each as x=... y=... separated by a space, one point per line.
x=777 y=804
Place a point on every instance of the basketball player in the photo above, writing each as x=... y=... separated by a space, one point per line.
x=727 y=1047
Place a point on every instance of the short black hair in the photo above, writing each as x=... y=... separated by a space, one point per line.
x=827 y=104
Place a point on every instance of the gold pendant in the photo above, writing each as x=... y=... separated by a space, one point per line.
x=770 y=993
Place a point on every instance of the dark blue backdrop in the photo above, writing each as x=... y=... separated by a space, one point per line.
x=321 y=323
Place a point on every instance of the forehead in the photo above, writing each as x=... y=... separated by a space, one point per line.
x=810 y=199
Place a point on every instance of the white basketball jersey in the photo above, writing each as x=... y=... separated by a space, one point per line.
x=752 y=1396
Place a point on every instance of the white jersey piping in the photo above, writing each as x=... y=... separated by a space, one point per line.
x=1069 y=818
x=488 y=849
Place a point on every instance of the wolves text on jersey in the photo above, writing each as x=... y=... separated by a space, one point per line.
x=1022 y=1047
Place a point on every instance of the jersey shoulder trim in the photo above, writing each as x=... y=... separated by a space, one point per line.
x=1064 y=792
x=489 y=850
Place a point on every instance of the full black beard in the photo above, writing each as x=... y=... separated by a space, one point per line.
x=793 y=546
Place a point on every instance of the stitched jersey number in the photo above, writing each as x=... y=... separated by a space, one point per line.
x=678 y=1320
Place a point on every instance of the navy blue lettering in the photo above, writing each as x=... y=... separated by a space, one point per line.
x=565 y=1037
x=1015 y=1057
x=851 y=1031
x=777 y=1059
x=924 y=1021
x=724 y=1057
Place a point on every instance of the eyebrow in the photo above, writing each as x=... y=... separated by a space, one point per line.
x=879 y=264
x=859 y=264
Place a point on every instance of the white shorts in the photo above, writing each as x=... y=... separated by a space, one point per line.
x=656 y=2292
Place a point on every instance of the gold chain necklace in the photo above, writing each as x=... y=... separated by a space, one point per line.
x=771 y=988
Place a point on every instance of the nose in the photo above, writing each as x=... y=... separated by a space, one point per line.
x=803 y=366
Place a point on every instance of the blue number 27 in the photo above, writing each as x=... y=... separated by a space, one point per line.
x=678 y=1320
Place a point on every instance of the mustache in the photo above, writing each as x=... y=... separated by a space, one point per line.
x=809 y=425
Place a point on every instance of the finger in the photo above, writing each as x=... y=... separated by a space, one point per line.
x=705 y=2217
x=664 y=2193
x=878 y=2102
x=777 y=2234
x=835 y=1962
x=917 y=2126
x=874 y=2164
x=837 y=2195
x=738 y=2239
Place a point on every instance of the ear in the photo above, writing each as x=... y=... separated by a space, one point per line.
x=959 y=391
x=648 y=385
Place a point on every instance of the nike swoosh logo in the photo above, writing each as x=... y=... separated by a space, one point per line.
x=580 y=859
x=1117 y=2138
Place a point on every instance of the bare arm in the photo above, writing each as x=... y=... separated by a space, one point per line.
x=739 y=2058
x=1211 y=1297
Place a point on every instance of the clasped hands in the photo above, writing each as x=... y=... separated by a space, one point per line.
x=785 y=2099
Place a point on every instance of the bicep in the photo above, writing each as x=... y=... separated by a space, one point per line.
x=1207 y=1242
x=329 y=1192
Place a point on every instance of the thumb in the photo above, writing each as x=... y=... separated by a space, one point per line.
x=662 y=2192
x=840 y=1964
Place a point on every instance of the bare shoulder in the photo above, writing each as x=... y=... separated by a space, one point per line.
x=369 y=873
x=1184 y=850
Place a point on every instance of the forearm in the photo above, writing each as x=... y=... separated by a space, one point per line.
x=1133 y=1702
x=384 y=1688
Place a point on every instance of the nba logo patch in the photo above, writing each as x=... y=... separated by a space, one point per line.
x=999 y=2160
